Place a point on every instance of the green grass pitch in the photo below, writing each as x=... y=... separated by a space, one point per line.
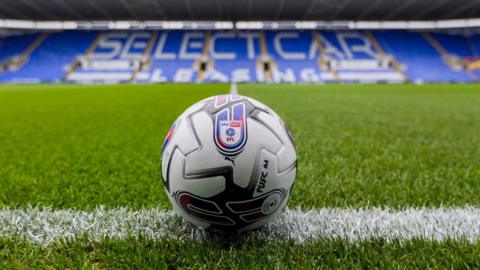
x=72 y=146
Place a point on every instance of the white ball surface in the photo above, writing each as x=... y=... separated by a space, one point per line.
x=228 y=163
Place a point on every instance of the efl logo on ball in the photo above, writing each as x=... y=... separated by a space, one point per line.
x=230 y=130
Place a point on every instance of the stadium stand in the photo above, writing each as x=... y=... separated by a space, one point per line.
x=174 y=57
x=15 y=50
x=419 y=58
x=240 y=56
x=233 y=57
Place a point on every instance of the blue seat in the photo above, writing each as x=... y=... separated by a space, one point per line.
x=49 y=61
x=419 y=58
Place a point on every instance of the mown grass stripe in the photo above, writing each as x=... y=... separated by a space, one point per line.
x=44 y=225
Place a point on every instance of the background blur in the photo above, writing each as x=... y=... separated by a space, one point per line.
x=304 y=41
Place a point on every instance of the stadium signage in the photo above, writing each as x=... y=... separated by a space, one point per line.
x=173 y=55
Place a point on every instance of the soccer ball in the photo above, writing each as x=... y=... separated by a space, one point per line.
x=228 y=163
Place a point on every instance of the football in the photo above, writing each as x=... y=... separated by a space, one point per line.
x=228 y=163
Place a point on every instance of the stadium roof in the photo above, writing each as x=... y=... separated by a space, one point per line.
x=239 y=10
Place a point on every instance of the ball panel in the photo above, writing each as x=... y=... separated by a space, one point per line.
x=267 y=219
x=286 y=155
x=185 y=215
x=258 y=105
x=246 y=163
x=269 y=177
x=204 y=184
x=196 y=107
x=206 y=157
x=182 y=138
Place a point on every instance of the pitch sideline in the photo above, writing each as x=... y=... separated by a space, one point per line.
x=44 y=225
x=233 y=89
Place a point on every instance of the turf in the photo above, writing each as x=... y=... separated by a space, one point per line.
x=82 y=146
x=70 y=146
x=358 y=145
x=381 y=145
x=170 y=254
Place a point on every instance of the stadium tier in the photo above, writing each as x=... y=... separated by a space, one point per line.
x=260 y=56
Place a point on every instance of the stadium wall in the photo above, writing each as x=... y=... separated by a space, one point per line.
x=393 y=56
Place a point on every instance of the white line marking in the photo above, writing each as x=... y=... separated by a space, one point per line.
x=43 y=226
x=233 y=89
